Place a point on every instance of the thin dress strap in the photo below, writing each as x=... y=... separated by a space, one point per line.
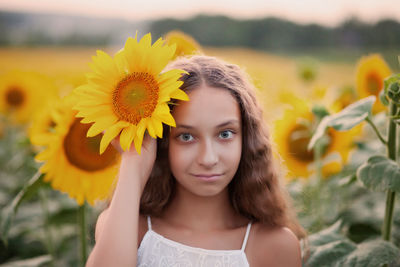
x=246 y=236
x=149 y=222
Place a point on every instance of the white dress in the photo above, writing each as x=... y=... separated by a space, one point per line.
x=158 y=251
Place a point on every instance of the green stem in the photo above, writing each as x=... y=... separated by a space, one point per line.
x=376 y=131
x=318 y=166
x=82 y=233
x=387 y=223
x=318 y=160
x=390 y=197
x=48 y=236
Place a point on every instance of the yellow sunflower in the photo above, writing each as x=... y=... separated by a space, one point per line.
x=22 y=94
x=371 y=72
x=185 y=44
x=293 y=132
x=43 y=123
x=128 y=94
x=345 y=96
x=72 y=162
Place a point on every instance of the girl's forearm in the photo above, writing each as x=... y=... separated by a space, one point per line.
x=118 y=240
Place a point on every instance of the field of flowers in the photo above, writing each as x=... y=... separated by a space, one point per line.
x=333 y=126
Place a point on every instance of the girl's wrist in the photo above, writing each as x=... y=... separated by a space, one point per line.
x=131 y=169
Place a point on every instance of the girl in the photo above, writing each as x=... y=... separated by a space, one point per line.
x=208 y=192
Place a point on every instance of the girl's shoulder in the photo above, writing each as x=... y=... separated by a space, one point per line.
x=277 y=246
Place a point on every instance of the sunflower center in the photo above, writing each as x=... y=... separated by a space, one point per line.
x=298 y=141
x=135 y=97
x=83 y=152
x=374 y=83
x=51 y=124
x=15 y=97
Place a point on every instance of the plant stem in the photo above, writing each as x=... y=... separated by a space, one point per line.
x=390 y=196
x=376 y=131
x=48 y=236
x=82 y=233
x=319 y=175
x=318 y=161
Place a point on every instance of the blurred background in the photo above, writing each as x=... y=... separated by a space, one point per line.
x=306 y=59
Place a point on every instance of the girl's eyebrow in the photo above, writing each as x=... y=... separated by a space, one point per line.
x=218 y=126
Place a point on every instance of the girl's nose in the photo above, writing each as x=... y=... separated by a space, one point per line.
x=208 y=156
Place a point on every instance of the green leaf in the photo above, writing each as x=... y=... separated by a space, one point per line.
x=330 y=254
x=373 y=254
x=352 y=115
x=345 y=253
x=9 y=212
x=380 y=173
x=320 y=111
x=346 y=119
x=328 y=235
x=319 y=133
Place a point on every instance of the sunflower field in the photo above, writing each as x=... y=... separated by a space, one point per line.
x=333 y=125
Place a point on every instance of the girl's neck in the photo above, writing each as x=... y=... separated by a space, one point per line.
x=199 y=213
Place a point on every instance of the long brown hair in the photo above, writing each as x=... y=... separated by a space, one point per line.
x=255 y=192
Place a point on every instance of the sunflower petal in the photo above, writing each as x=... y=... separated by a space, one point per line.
x=132 y=56
x=158 y=127
x=165 y=91
x=90 y=91
x=160 y=56
x=122 y=64
x=85 y=120
x=170 y=76
x=101 y=125
x=145 y=42
x=45 y=168
x=162 y=108
x=126 y=137
x=96 y=113
x=141 y=127
x=166 y=118
x=110 y=134
x=138 y=139
x=43 y=156
x=151 y=129
x=103 y=64
x=179 y=94
x=94 y=130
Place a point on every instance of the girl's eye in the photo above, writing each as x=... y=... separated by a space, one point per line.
x=185 y=137
x=227 y=134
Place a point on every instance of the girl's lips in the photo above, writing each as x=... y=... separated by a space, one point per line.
x=208 y=178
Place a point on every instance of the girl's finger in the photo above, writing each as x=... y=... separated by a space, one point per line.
x=115 y=143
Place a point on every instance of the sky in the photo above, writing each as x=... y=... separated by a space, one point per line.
x=328 y=12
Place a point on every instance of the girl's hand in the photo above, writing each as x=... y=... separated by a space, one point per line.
x=138 y=166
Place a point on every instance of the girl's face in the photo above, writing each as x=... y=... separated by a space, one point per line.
x=206 y=145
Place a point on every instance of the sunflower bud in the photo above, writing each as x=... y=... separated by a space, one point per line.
x=393 y=92
x=308 y=70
